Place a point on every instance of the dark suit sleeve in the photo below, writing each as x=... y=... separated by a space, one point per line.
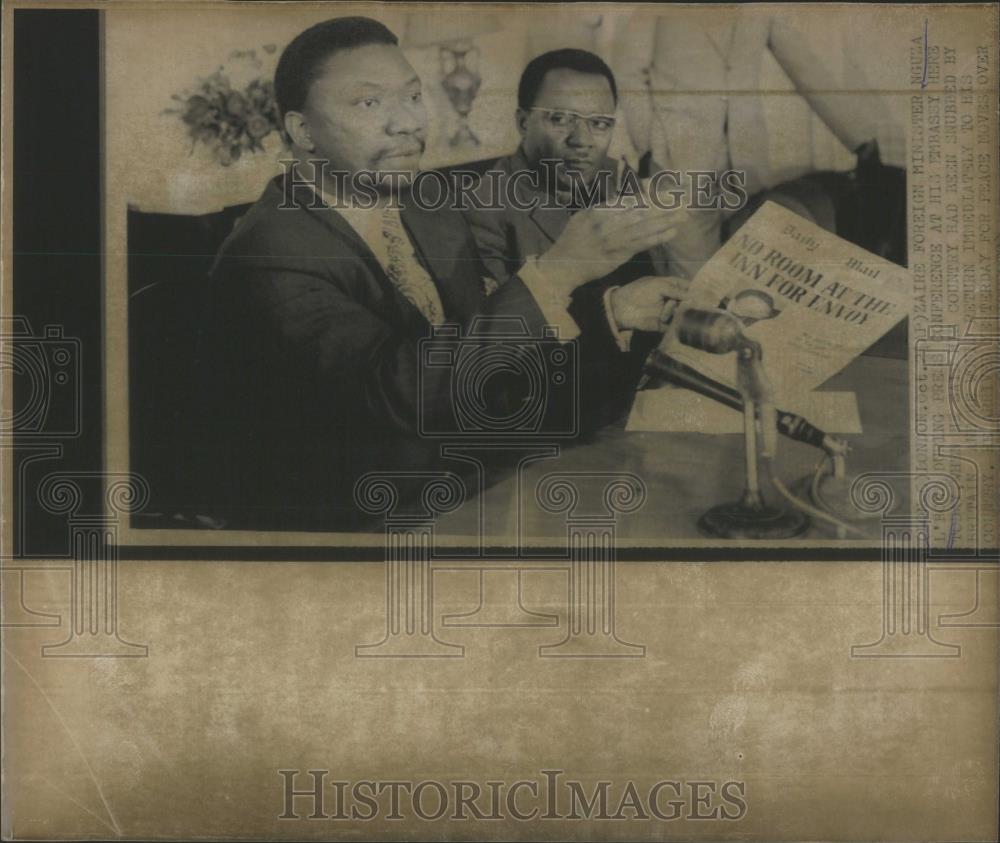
x=609 y=374
x=492 y=238
x=314 y=334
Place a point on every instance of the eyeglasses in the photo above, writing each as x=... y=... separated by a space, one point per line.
x=567 y=121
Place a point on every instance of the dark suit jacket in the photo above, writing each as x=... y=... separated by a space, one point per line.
x=506 y=238
x=312 y=364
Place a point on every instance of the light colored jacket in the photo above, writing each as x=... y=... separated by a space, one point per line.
x=691 y=92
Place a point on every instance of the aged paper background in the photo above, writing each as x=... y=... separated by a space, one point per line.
x=748 y=676
x=757 y=671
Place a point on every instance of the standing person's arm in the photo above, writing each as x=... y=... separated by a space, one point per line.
x=851 y=117
x=631 y=63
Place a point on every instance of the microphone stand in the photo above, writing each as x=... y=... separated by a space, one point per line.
x=752 y=517
x=824 y=497
x=829 y=492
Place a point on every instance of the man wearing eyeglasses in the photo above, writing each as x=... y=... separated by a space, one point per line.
x=552 y=231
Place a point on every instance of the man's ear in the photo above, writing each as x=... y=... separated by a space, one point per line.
x=521 y=119
x=298 y=131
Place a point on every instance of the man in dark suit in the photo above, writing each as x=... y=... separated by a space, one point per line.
x=566 y=118
x=322 y=295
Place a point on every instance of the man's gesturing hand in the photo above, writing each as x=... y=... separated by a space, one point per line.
x=647 y=304
x=598 y=240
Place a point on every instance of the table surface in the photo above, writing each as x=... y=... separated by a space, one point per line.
x=686 y=474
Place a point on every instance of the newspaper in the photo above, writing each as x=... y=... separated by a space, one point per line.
x=812 y=300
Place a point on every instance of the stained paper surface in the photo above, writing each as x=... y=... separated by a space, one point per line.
x=562 y=650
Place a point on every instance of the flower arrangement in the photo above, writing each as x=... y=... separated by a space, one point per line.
x=229 y=120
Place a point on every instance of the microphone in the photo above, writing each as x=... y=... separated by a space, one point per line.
x=718 y=332
x=714 y=331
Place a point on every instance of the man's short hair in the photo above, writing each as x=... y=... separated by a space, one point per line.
x=569 y=59
x=302 y=60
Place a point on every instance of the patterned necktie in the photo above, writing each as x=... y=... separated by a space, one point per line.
x=406 y=273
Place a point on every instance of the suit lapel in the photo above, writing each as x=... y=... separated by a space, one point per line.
x=344 y=231
x=552 y=220
x=440 y=245
x=721 y=38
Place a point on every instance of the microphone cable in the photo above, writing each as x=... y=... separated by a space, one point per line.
x=802 y=505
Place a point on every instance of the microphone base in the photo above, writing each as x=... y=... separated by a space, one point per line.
x=742 y=521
